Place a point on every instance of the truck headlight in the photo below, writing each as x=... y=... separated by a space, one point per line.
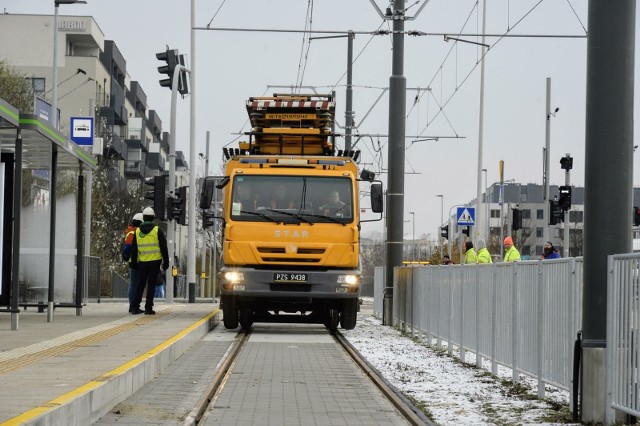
x=234 y=277
x=348 y=279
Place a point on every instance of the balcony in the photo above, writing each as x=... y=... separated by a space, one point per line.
x=115 y=148
x=134 y=169
x=155 y=162
x=136 y=137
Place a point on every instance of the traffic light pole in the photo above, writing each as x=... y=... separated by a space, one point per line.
x=565 y=243
x=171 y=225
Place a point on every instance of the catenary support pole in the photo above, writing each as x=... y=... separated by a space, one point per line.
x=479 y=212
x=395 y=193
x=546 y=229
x=203 y=256
x=348 y=112
x=191 y=242
x=608 y=180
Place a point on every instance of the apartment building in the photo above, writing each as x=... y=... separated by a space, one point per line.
x=92 y=81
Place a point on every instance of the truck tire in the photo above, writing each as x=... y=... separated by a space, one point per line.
x=246 y=318
x=332 y=319
x=349 y=314
x=229 y=312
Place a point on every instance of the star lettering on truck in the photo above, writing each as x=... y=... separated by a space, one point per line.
x=285 y=233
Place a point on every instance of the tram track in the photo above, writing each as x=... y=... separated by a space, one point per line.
x=225 y=368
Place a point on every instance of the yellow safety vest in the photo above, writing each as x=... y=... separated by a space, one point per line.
x=148 y=245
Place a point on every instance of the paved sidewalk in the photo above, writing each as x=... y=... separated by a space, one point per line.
x=74 y=369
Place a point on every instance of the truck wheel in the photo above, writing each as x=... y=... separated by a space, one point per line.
x=229 y=312
x=349 y=314
x=332 y=319
x=246 y=318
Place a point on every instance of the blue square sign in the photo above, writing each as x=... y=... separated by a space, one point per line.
x=466 y=216
x=82 y=130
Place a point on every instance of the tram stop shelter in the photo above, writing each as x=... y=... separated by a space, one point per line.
x=29 y=143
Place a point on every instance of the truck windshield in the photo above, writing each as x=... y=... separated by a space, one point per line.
x=292 y=199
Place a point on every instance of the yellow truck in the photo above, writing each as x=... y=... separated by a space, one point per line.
x=291 y=218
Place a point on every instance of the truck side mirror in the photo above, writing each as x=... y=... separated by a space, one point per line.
x=206 y=194
x=376 y=197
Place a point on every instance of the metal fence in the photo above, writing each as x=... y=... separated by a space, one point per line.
x=523 y=315
x=623 y=334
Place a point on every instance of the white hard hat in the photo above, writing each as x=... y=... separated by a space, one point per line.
x=138 y=216
x=148 y=212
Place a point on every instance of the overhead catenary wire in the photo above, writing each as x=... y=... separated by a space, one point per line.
x=444 y=104
x=216 y=14
x=304 y=56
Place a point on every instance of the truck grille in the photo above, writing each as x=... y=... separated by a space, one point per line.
x=301 y=255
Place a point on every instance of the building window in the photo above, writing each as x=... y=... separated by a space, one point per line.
x=495 y=213
x=38 y=86
x=576 y=216
x=539 y=232
x=494 y=230
x=526 y=250
x=539 y=250
x=526 y=214
x=540 y=214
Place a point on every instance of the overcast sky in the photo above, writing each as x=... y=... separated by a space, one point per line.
x=232 y=66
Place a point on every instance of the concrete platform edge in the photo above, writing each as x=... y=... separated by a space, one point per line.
x=90 y=402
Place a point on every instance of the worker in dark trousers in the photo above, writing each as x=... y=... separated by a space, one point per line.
x=148 y=253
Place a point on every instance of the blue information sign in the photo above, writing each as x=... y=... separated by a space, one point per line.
x=82 y=130
x=466 y=216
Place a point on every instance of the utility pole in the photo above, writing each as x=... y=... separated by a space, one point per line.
x=607 y=212
x=546 y=229
x=191 y=243
x=348 y=113
x=203 y=256
x=479 y=213
x=395 y=184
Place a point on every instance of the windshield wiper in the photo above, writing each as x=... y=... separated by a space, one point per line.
x=262 y=215
x=297 y=216
x=332 y=219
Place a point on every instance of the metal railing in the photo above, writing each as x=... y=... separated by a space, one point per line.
x=522 y=315
x=91 y=289
x=623 y=335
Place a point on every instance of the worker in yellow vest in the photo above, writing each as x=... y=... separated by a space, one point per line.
x=511 y=254
x=149 y=252
x=126 y=255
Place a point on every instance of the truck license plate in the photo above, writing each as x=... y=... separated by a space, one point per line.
x=288 y=277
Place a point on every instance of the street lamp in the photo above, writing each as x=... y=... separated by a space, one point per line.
x=413 y=238
x=54 y=83
x=441 y=221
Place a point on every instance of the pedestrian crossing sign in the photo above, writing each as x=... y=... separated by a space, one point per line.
x=466 y=216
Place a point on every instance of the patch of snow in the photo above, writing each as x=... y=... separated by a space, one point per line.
x=449 y=392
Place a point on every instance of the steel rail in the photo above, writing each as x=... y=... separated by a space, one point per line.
x=223 y=368
x=410 y=412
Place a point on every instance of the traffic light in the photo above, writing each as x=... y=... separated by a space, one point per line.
x=183 y=84
x=566 y=162
x=565 y=198
x=636 y=216
x=516 y=222
x=156 y=194
x=444 y=232
x=556 y=215
x=170 y=56
x=466 y=230
x=178 y=206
